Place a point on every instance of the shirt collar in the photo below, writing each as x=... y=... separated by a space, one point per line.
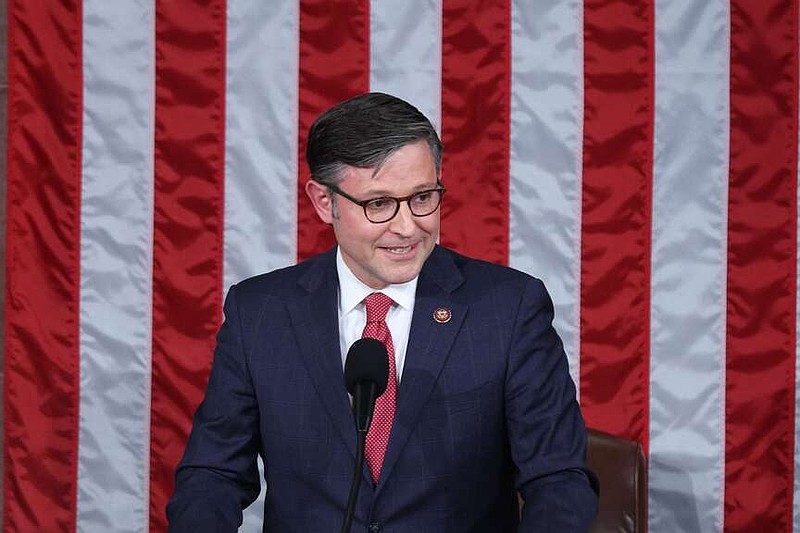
x=352 y=290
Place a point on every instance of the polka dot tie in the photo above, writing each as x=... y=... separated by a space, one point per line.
x=378 y=305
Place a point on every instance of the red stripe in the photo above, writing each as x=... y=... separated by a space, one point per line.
x=41 y=388
x=476 y=78
x=334 y=65
x=615 y=240
x=760 y=372
x=188 y=225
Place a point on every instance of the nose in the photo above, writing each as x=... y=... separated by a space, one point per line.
x=403 y=223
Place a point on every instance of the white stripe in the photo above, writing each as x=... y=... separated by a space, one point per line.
x=261 y=149
x=261 y=137
x=406 y=52
x=546 y=155
x=689 y=253
x=116 y=272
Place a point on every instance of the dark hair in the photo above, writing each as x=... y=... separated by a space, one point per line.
x=363 y=132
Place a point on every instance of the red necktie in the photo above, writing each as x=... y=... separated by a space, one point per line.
x=378 y=305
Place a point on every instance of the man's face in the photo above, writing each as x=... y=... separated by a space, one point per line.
x=394 y=251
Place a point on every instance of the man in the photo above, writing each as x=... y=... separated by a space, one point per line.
x=479 y=404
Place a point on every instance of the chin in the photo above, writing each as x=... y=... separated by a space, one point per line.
x=396 y=278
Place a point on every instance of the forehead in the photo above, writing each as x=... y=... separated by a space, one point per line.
x=408 y=167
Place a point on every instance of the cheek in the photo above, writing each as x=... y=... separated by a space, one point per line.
x=357 y=233
x=430 y=226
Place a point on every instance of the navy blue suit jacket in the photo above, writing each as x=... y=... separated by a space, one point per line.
x=485 y=407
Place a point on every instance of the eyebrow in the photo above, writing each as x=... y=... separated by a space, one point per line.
x=380 y=193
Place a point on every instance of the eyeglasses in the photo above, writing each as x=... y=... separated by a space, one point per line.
x=385 y=208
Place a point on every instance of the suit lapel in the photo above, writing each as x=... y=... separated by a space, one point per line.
x=315 y=321
x=429 y=345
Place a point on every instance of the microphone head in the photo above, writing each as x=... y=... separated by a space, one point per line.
x=367 y=361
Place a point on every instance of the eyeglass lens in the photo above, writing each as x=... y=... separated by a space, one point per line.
x=421 y=204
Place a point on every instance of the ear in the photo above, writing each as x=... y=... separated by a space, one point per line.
x=322 y=199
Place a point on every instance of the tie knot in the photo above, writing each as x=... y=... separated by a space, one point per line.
x=378 y=305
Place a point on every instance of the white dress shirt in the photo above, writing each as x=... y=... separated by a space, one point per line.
x=353 y=314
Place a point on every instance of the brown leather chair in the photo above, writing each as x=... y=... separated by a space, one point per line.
x=621 y=467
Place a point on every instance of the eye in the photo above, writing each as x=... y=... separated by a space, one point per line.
x=423 y=197
x=380 y=204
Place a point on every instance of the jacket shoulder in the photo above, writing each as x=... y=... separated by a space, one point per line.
x=478 y=271
x=284 y=283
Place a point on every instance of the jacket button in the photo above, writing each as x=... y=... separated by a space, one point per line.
x=375 y=527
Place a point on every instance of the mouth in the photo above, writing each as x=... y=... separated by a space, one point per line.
x=399 y=250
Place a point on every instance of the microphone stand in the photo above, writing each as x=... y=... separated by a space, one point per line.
x=363 y=415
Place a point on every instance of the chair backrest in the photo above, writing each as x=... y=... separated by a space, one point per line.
x=621 y=467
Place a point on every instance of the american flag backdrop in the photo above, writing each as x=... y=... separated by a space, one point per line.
x=639 y=156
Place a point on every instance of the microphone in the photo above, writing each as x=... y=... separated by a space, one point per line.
x=366 y=373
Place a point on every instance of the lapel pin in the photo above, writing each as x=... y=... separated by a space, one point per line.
x=442 y=315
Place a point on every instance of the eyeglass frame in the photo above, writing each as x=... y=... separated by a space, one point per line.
x=397 y=201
